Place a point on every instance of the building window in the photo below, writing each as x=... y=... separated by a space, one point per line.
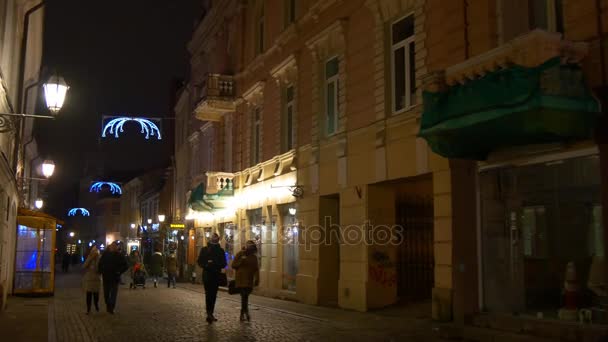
x=332 y=85
x=288 y=118
x=290 y=12
x=540 y=222
x=546 y=15
x=402 y=64
x=259 y=48
x=256 y=135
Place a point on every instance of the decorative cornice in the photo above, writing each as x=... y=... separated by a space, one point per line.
x=255 y=94
x=286 y=71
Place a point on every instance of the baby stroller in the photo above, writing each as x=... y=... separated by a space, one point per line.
x=139 y=276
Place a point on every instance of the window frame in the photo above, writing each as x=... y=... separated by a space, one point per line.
x=406 y=45
x=335 y=79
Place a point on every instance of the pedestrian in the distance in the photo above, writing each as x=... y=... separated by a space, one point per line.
x=111 y=265
x=65 y=262
x=171 y=269
x=92 y=279
x=156 y=266
x=247 y=275
x=212 y=260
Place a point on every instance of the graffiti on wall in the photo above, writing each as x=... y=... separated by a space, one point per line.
x=382 y=270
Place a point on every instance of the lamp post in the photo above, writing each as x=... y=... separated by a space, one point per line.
x=39 y=203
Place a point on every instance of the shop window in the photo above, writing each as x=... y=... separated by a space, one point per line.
x=403 y=64
x=290 y=236
x=542 y=239
x=227 y=231
x=256 y=226
x=332 y=91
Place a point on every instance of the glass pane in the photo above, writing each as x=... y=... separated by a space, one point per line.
x=331 y=107
x=290 y=254
x=289 y=94
x=331 y=68
x=403 y=29
x=541 y=223
x=399 y=79
x=412 y=72
x=289 y=130
x=538 y=14
x=559 y=16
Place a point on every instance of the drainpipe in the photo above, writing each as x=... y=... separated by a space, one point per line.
x=22 y=93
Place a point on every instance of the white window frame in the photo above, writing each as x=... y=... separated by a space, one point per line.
x=326 y=82
x=405 y=44
x=289 y=129
x=255 y=137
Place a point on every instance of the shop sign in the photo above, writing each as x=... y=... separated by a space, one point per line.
x=178 y=225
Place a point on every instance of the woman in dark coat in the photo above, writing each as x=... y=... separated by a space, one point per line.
x=247 y=275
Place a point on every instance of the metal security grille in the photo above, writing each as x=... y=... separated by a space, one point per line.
x=415 y=260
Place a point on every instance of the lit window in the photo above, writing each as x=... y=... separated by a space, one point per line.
x=402 y=64
x=332 y=85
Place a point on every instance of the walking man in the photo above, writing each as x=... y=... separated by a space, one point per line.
x=111 y=265
x=212 y=260
x=156 y=266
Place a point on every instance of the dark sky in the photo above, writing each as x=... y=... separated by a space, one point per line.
x=118 y=57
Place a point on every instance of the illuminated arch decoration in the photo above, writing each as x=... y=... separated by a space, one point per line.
x=115 y=127
x=83 y=212
x=114 y=188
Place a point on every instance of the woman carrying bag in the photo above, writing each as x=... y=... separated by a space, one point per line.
x=247 y=275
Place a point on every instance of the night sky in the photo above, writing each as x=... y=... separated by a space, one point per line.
x=118 y=57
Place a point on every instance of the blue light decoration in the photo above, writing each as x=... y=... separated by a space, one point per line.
x=74 y=212
x=114 y=188
x=115 y=126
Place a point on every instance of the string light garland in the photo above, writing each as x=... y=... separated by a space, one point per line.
x=115 y=127
x=114 y=188
x=83 y=212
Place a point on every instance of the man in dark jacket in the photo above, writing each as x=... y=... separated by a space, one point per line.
x=111 y=265
x=212 y=260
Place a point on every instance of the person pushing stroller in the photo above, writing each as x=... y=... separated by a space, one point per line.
x=137 y=270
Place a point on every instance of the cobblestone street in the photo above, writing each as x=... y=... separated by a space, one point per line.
x=164 y=314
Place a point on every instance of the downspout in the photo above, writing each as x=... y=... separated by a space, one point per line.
x=22 y=93
x=600 y=34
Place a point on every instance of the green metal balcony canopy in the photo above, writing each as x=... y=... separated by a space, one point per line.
x=200 y=200
x=510 y=107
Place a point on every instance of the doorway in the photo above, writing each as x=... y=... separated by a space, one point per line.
x=329 y=250
x=415 y=254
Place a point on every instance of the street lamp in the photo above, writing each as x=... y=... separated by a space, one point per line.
x=55 y=90
x=149 y=221
x=292 y=211
x=132 y=225
x=39 y=203
x=161 y=218
x=48 y=168
x=72 y=234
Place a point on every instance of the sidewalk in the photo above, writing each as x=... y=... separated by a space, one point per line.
x=25 y=319
x=390 y=321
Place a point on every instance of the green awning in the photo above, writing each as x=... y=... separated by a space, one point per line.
x=201 y=201
x=510 y=107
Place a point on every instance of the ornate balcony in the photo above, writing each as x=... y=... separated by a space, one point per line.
x=216 y=98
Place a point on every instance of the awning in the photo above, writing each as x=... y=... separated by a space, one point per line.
x=201 y=201
x=510 y=107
